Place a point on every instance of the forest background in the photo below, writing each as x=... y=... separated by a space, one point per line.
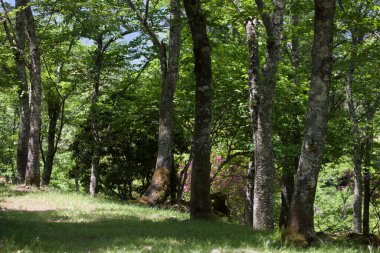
x=101 y=66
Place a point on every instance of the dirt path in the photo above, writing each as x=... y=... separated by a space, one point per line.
x=20 y=202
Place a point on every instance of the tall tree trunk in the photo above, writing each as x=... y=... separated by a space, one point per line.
x=301 y=223
x=23 y=89
x=54 y=109
x=357 y=148
x=33 y=165
x=264 y=175
x=94 y=117
x=251 y=27
x=158 y=189
x=200 y=206
x=368 y=145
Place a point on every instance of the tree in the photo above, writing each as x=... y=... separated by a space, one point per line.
x=301 y=222
x=200 y=207
x=33 y=166
x=264 y=168
x=158 y=189
x=253 y=76
x=17 y=42
x=56 y=105
x=103 y=29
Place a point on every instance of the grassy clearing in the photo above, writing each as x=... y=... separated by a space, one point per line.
x=65 y=222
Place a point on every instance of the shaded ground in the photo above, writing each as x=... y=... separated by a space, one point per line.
x=56 y=222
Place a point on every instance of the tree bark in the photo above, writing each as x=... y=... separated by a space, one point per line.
x=32 y=176
x=251 y=27
x=94 y=117
x=159 y=187
x=17 y=43
x=301 y=223
x=23 y=89
x=200 y=206
x=264 y=174
x=249 y=193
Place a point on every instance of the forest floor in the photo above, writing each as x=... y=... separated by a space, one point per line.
x=53 y=221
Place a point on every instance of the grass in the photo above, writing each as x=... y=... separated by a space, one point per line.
x=41 y=221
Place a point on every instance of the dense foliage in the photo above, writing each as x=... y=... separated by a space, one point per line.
x=127 y=107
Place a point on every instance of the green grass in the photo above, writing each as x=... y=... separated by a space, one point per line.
x=66 y=222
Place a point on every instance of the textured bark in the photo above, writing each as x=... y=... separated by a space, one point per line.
x=301 y=224
x=264 y=174
x=159 y=187
x=249 y=193
x=23 y=89
x=253 y=86
x=200 y=206
x=32 y=176
x=17 y=43
x=94 y=117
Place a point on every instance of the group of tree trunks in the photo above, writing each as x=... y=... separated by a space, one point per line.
x=297 y=195
x=298 y=186
x=28 y=151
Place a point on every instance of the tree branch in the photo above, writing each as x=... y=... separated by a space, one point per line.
x=145 y=25
x=228 y=159
x=113 y=39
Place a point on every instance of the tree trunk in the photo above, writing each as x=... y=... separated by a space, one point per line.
x=32 y=176
x=182 y=179
x=249 y=193
x=54 y=109
x=264 y=174
x=367 y=200
x=357 y=149
x=23 y=89
x=367 y=175
x=200 y=206
x=94 y=117
x=253 y=79
x=301 y=223
x=158 y=190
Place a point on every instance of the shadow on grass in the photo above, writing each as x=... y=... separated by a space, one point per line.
x=51 y=231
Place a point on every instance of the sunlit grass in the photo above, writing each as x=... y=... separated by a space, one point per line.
x=49 y=221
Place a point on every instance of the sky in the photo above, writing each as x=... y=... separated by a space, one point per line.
x=12 y=2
